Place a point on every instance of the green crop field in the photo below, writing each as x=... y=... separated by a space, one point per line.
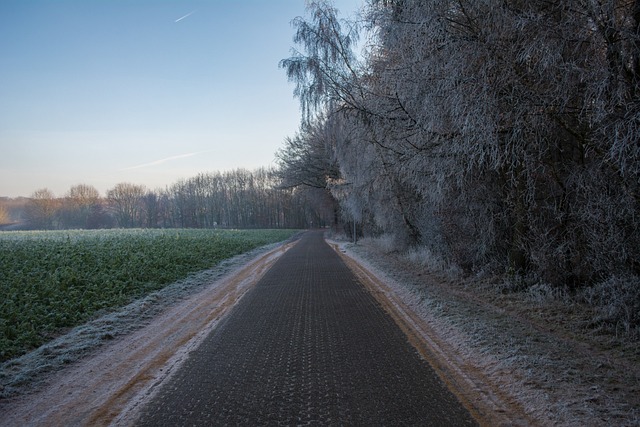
x=54 y=280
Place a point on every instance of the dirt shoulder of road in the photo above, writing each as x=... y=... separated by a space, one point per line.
x=512 y=358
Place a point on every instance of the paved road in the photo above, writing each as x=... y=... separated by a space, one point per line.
x=307 y=346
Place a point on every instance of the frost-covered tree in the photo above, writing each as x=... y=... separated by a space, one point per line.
x=503 y=135
x=307 y=158
x=326 y=71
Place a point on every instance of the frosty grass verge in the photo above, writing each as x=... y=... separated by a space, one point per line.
x=554 y=376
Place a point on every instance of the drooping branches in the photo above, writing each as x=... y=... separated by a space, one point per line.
x=326 y=72
x=307 y=158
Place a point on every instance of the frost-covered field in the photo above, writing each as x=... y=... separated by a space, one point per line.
x=51 y=281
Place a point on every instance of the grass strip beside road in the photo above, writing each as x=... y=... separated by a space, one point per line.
x=54 y=280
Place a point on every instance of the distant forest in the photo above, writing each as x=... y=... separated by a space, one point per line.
x=499 y=136
x=234 y=199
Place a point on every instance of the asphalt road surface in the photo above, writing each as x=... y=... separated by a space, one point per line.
x=308 y=345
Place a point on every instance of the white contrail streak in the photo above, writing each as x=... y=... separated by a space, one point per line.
x=158 y=162
x=185 y=16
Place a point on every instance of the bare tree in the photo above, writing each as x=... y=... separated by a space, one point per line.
x=40 y=212
x=126 y=203
x=238 y=198
x=78 y=206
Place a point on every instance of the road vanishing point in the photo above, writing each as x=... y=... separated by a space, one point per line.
x=308 y=345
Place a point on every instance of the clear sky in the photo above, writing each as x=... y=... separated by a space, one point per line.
x=144 y=91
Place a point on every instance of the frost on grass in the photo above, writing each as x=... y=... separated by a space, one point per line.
x=617 y=302
x=25 y=373
x=532 y=345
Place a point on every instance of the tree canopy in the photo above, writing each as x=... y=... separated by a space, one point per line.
x=503 y=136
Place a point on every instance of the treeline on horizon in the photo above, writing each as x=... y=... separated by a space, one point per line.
x=235 y=199
x=501 y=138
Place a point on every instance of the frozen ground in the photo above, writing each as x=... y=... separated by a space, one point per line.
x=516 y=358
x=527 y=352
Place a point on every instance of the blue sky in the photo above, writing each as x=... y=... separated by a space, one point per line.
x=148 y=92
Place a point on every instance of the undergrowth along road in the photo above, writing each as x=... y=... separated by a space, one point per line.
x=538 y=352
